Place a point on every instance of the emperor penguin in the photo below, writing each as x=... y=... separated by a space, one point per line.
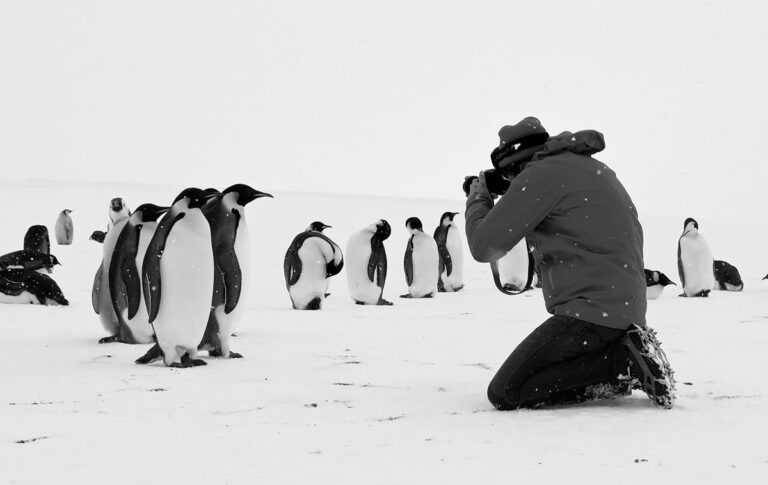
x=727 y=277
x=124 y=274
x=450 y=249
x=655 y=281
x=232 y=256
x=177 y=279
x=367 y=264
x=514 y=267
x=29 y=260
x=36 y=240
x=695 y=263
x=101 y=299
x=63 y=228
x=421 y=262
x=29 y=287
x=310 y=261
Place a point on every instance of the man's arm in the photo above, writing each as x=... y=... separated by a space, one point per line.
x=492 y=231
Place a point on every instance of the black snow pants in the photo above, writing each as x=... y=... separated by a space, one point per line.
x=563 y=361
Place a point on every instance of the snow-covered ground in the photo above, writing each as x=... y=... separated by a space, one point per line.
x=369 y=395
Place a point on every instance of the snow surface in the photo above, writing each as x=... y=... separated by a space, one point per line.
x=366 y=394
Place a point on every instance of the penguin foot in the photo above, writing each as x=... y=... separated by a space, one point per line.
x=407 y=295
x=109 y=340
x=442 y=290
x=384 y=302
x=152 y=355
x=186 y=361
x=219 y=353
x=359 y=302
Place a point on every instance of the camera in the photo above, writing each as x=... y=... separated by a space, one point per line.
x=494 y=180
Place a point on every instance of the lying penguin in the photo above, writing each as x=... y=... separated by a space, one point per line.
x=655 y=281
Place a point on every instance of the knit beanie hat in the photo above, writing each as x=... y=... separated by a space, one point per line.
x=518 y=143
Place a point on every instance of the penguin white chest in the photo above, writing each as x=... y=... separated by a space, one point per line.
x=315 y=254
x=186 y=271
x=653 y=292
x=513 y=267
x=697 y=264
x=358 y=254
x=425 y=261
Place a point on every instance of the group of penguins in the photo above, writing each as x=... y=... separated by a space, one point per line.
x=178 y=275
x=24 y=274
x=699 y=272
x=432 y=264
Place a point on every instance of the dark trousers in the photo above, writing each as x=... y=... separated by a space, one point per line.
x=560 y=362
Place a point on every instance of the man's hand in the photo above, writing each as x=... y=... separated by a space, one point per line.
x=478 y=188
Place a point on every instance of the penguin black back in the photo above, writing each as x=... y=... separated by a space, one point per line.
x=377 y=263
x=37 y=240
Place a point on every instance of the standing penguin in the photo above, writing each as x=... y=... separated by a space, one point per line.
x=367 y=264
x=655 y=281
x=727 y=277
x=449 y=248
x=421 y=262
x=124 y=275
x=232 y=256
x=695 y=263
x=177 y=279
x=100 y=297
x=311 y=259
x=36 y=240
x=63 y=228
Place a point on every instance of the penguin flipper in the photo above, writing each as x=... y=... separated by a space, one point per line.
x=408 y=262
x=441 y=237
x=231 y=274
x=333 y=268
x=96 y=290
x=150 y=274
x=292 y=262
x=680 y=271
x=123 y=272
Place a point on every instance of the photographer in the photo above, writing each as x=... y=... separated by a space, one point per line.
x=588 y=244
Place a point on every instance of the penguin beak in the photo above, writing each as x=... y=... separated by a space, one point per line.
x=326 y=226
x=249 y=196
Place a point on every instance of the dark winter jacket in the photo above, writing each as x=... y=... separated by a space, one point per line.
x=583 y=225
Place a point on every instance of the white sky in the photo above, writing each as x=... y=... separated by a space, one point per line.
x=399 y=97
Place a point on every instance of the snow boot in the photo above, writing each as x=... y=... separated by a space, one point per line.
x=648 y=366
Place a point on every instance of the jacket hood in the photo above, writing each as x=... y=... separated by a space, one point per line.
x=586 y=142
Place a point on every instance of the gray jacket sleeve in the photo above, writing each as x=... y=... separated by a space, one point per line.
x=493 y=230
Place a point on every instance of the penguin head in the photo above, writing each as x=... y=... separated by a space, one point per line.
x=195 y=197
x=447 y=218
x=150 y=212
x=689 y=224
x=52 y=261
x=117 y=204
x=383 y=229
x=413 y=224
x=662 y=279
x=118 y=210
x=66 y=212
x=317 y=226
x=97 y=236
x=245 y=193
